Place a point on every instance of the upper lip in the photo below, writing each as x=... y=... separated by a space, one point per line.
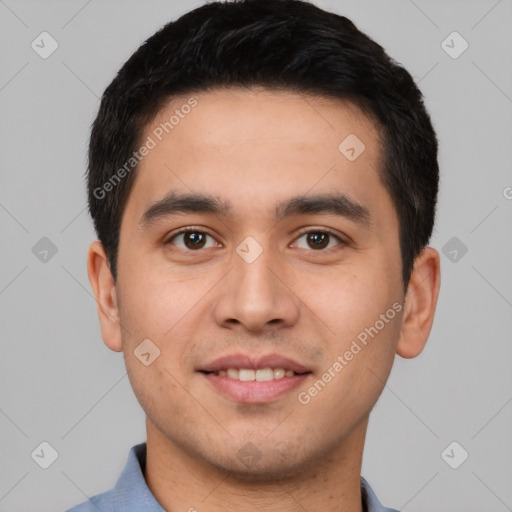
x=254 y=362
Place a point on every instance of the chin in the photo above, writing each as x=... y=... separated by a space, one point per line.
x=271 y=466
x=262 y=474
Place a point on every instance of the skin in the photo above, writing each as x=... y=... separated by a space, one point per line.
x=254 y=148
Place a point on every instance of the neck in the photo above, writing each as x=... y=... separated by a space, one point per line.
x=180 y=481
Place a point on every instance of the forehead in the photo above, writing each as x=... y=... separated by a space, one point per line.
x=229 y=116
x=253 y=148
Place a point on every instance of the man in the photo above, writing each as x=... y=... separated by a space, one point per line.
x=263 y=181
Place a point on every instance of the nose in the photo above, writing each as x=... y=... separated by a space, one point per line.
x=257 y=295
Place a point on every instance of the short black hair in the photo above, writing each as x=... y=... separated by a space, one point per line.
x=276 y=44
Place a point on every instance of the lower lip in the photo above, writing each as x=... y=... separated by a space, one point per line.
x=254 y=392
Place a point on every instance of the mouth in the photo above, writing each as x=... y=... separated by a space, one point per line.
x=249 y=374
x=251 y=379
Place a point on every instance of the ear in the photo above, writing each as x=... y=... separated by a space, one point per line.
x=104 y=289
x=420 y=303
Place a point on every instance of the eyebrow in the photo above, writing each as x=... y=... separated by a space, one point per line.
x=333 y=203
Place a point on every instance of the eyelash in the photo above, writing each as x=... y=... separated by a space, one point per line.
x=303 y=232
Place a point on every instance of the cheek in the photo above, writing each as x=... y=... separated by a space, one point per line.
x=157 y=392
x=346 y=299
x=362 y=311
x=164 y=311
x=153 y=306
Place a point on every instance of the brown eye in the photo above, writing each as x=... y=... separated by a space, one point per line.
x=318 y=240
x=190 y=240
x=194 y=240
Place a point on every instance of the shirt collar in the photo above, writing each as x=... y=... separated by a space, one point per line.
x=132 y=492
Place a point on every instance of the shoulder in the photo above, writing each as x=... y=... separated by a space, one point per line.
x=130 y=487
x=370 y=501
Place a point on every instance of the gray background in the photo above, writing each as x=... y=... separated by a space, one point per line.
x=60 y=384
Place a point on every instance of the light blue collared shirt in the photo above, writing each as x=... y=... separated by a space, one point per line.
x=131 y=493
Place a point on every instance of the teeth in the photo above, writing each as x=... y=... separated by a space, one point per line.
x=260 y=375
x=246 y=375
x=233 y=373
x=279 y=373
x=264 y=374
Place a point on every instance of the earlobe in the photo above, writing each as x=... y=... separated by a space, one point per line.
x=420 y=304
x=102 y=283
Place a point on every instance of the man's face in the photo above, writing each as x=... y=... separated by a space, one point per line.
x=252 y=290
